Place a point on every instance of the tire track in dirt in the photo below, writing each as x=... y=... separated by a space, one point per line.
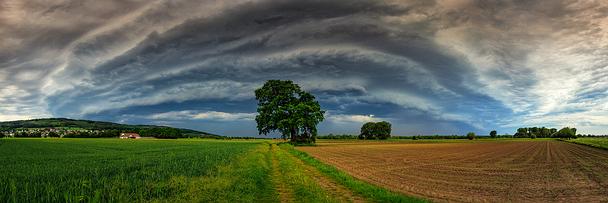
x=285 y=193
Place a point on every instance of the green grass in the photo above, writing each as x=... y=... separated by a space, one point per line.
x=102 y=170
x=304 y=187
x=594 y=142
x=182 y=170
x=367 y=190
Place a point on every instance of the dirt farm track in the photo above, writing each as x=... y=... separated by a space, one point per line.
x=493 y=171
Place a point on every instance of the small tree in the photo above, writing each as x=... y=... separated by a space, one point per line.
x=471 y=135
x=493 y=133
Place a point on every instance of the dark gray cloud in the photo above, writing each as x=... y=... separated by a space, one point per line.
x=456 y=65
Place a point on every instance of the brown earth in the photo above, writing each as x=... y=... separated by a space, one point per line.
x=498 y=171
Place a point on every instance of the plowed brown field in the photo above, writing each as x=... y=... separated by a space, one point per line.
x=499 y=171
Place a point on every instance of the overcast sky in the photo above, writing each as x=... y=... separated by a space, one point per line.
x=445 y=66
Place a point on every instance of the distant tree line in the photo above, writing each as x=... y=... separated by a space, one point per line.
x=449 y=137
x=543 y=132
x=338 y=137
x=163 y=133
x=379 y=130
x=370 y=131
x=242 y=138
x=432 y=137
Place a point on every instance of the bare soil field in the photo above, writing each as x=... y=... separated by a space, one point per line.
x=496 y=171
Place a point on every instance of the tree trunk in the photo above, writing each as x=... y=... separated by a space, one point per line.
x=294 y=135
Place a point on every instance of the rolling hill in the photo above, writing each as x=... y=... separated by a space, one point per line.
x=91 y=125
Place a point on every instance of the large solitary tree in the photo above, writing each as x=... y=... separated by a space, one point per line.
x=284 y=107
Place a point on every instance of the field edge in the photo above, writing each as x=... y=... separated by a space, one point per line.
x=360 y=187
x=589 y=143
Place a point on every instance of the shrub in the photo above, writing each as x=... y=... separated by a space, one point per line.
x=471 y=135
x=53 y=134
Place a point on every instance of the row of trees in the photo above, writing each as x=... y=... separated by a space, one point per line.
x=372 y=130
x=163 y=133
x=434 y=137
x=338 y=137
x=543 y=132
x=540 y=132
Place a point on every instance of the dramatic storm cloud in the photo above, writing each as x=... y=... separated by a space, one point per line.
x=445 y=66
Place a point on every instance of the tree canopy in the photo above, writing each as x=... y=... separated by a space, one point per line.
x=543 y=132
x=471 y=136
x=379 y=130
x=539 y=132
x=165 y=133
x=566 y=133
x=493 y=133
x=284 y=107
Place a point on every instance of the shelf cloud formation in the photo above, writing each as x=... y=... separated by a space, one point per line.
x=443 y=66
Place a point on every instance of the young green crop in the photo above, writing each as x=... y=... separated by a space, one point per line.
x=94 y=170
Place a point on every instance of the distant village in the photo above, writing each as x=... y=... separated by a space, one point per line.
x=67 y=133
